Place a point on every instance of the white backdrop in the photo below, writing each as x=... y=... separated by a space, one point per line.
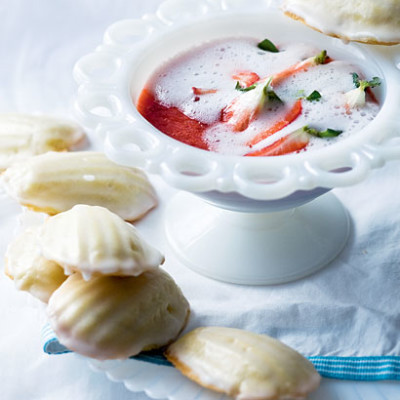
x=40 y=42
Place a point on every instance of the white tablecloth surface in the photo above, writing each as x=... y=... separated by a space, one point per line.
x=41 y=41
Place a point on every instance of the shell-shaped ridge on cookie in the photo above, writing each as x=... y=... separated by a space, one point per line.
x=55 y=182
x=25 y=135
x=111 y=317
x=243 y=364
x=93 y=240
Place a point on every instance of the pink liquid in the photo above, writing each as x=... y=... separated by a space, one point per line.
x=188 y=96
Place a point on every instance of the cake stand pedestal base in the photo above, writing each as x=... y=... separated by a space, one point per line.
x=256 y=248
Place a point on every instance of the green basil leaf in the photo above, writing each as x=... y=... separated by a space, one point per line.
x=271 y=95
x=328 y=133
x=244 y=89
x=314 y=96
x=267 y=45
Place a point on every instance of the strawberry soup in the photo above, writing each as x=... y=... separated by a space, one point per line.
x=246 y=97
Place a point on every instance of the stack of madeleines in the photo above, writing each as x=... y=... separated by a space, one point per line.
x=107 y=296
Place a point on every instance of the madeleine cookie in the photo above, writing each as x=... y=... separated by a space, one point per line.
x=55 y=182
x=29 y=270
x=366 y=21
x=242 y=364
x=93 y=240
x=112 y=317
x=23 y=136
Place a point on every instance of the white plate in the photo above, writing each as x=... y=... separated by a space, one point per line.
x=163 y=382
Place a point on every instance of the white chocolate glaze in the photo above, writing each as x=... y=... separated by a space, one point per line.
x=29 y=270
x=55 y=182
x=24 y=135
x=360 y=20
x=117 y=317
x=243 y=364
x=93 y=240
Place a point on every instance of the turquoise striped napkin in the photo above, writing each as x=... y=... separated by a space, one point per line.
x=350 y=368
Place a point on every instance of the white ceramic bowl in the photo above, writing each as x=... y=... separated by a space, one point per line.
x=111 y=78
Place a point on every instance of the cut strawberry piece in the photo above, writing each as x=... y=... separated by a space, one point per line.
x=290 y=116
x=199 y=91
x=371 y=95
x=291 y=143
x=245 y=107
x=320 y=58
x=246 y=78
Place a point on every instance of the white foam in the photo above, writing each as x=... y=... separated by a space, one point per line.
x=212 y=65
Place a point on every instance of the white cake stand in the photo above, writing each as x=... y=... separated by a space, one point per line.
x=252 y=220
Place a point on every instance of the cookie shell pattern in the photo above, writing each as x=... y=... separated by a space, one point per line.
x=111 y=317
x=55 y=182
x=93 y=240
x=243 y=364
x=24 y=135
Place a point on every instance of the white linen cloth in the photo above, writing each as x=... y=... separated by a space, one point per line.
x=349 y=309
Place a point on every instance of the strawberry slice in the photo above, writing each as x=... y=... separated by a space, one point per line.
x=199 y=91
x=246 y=78
x=291 y=143
x=245 y=107
x=290 y=116
x=320 y=58
x=371 y=95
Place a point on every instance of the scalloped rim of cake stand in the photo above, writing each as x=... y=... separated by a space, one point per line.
x=105 y=81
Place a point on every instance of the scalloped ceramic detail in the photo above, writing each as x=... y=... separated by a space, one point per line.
x=178 y=24
x=172 y=11
x=99 y=65
x=127 y=32
x=156 y=381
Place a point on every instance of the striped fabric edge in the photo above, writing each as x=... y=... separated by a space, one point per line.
x=369 y=368
x=51 y=346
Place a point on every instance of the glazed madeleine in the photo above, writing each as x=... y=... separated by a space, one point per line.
x=23 y=136
x=243 y=364
x=29 y=270
x=367 y=21
x=93 y=240
x=111 y=317
x=55 y=182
